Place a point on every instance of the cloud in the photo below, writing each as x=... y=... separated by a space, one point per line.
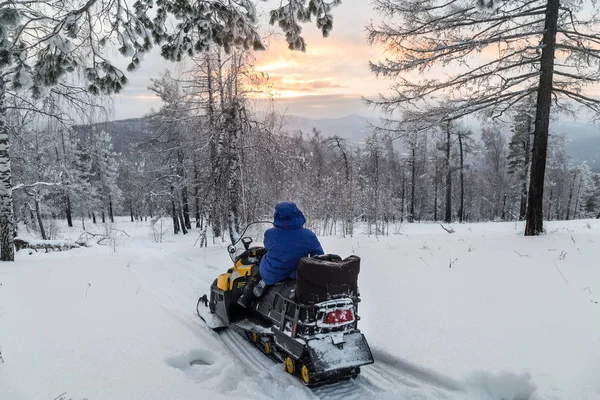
x=318 y=106
x=328 y=67
x=294 y=85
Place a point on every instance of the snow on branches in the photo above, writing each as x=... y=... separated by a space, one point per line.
x=491 y=51
x=290 y=16
x=40 y=42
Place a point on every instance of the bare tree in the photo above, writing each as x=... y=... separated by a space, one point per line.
x=447 y=150
x=523 y=37
x=465 y=146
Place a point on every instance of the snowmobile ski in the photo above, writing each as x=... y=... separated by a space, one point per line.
x=212 y=320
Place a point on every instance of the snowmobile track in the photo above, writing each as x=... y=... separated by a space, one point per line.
x=387 y=378
x=373 y=381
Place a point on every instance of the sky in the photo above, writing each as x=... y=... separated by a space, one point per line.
x=328 y=80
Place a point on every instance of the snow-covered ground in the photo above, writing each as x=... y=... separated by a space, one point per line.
x=482 y=314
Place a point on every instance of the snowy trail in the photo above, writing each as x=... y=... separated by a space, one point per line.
x=387 y=378
x=177 y=282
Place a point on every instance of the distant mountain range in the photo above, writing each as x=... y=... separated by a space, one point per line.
x=583 y=145
x=353 y=127
x=583 y=142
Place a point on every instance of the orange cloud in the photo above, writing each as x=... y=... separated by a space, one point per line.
x=329 y=67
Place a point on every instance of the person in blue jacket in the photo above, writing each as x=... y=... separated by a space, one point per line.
x=286 y=243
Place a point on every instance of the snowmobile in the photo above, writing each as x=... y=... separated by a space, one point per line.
x=309 y=324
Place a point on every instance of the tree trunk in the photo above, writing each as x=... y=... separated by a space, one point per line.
x=234 y=183
x=186 y=208
x=38 y=215
x=503 y=215
x=182 y=222
x=448 y=216
x=196 y=194
x=558 y=198
x=375 y=200
x=402 y=194
x=131 y=209
x=461 y=210
x=203 y=238
x=549 y=212
x=216 y=147
x=93 y=217
x=577 y=198
x=103 y=215
x=523 y=206
x=110 y=209
x=68 y=210
x=435 y=194
x=535 y=223
x=184 y=192
x=413 y=184
x=570 y=199
x=7 y=250
x=174 y=213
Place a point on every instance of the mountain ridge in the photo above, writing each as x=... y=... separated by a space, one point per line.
x=583 y=143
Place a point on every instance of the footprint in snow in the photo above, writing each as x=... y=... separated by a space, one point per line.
x=205 y=367
x=193 y=358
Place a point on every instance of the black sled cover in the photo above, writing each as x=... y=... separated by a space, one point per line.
x=327 y=277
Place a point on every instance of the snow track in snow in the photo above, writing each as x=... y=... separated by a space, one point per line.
x=178 y=281
x=387 y=379
x=258 y=364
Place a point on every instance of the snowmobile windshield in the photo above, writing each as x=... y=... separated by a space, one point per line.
x=251 y=236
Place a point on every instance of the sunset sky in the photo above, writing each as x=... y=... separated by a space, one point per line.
x=326 y=81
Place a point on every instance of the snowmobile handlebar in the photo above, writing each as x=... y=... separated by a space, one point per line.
x=246 y=240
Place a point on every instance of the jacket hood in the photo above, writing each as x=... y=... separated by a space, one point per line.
x=288 y=216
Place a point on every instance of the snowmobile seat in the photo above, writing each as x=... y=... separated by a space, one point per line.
x=326 y=277
x=286 y=289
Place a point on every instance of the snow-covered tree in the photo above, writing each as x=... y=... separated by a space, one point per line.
x=526 y=38
x=581 y=190
x=106 y=169
x=519 y=155
x=465 y=147
x=83 y=180
x=591 y=206
x=41 y=42
x=494 y=171
x=558 y=180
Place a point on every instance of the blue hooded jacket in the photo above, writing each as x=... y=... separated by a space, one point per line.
x=287 y=243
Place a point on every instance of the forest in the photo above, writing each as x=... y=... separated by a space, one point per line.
x=207 y=158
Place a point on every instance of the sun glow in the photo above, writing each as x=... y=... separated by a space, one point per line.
x=276 y=65
x=327 y=68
